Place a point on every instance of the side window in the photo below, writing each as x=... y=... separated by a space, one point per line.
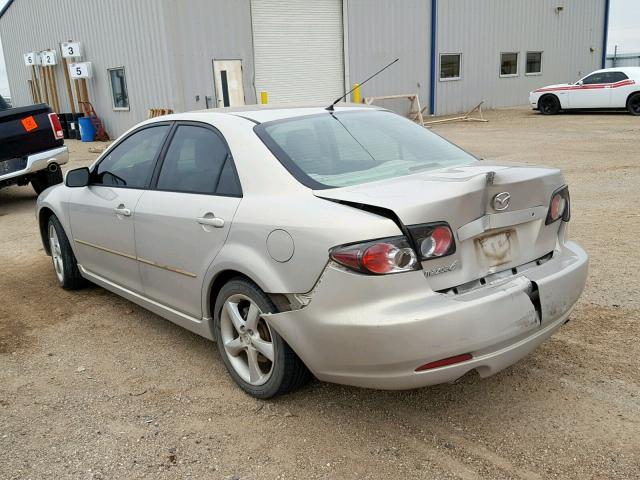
x=596 y=78
x=614 y=77
x=131 y=162
x=198 y=161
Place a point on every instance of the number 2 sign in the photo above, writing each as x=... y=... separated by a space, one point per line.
x=48 y=57
x=80 y=70
x=71 y=50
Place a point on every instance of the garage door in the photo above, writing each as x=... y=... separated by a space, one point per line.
x=298 y=49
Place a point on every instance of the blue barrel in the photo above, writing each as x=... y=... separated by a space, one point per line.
x=87 y=130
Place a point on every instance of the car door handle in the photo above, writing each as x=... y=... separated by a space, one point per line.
x=211 y=221
x=121 y=210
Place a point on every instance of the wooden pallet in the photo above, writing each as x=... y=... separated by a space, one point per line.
x=158 y=112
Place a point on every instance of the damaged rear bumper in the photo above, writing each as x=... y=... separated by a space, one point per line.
x=374 y=331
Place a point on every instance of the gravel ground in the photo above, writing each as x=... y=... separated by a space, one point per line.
x=92 y=386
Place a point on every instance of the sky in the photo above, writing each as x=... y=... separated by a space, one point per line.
x=624 y=31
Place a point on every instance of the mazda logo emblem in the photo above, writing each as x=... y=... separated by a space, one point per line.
x=501 y=201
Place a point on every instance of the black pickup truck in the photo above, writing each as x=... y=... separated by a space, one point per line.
x=31 y=146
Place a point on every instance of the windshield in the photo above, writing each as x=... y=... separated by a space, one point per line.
x=349 y=148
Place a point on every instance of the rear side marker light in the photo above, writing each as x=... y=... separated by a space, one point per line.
x=444 y=362
x=56 y=126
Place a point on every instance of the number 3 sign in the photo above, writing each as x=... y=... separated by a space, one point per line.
x=71 y=50
x=80 y=70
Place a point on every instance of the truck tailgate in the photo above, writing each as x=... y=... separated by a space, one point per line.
x=26 y=130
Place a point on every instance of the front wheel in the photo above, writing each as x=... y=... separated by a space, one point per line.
x=549 y=105
x=633 y=104
x=45 y=178
x=257 y=358
x=64 y=261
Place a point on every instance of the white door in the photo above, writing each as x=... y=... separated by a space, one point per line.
x=298 y=49
x=227 y=77
x=595 y=92
x=184 y=220
x=102 y=215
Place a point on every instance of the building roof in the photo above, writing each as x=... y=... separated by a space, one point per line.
x=5 y=8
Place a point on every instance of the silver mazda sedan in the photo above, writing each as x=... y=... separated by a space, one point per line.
x=350 y=244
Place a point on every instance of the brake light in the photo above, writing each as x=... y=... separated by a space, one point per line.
x=559 y=206
x=434 y=240
x=56 y=126
x=378 y=257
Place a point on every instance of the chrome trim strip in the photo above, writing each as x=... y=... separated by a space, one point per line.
x=500 y=220
x=105 y=249
x=141 y=260
x=167 y=267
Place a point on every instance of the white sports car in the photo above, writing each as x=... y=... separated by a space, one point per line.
x=610 y=88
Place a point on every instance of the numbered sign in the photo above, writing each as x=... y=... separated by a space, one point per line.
x=80 y=70
x=71 y=50
x=48 y=57
x=31 y=59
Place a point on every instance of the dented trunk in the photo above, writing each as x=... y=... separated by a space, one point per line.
x=496 y=212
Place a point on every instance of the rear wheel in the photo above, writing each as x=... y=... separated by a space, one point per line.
x=549 y=105
x=45 y=178
x=633 y=104
x=257 y=358
x=64 y=261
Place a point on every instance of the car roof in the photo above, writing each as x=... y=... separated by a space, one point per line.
x=629 y=71
x=267 y=113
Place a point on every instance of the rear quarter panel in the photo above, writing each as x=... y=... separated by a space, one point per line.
x=315 y=226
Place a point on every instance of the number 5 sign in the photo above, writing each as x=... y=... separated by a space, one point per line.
x=31 y=59
x=80 y=70
x=71 y=50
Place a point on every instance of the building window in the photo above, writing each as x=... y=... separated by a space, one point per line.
x=119 y=89
x=509 y=64
x=534 y=63
x=450 y=66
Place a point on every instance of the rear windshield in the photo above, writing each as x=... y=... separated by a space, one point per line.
x=349 y=148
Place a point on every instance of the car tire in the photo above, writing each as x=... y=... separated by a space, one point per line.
x=633 y=104
x=244 y=337
x=45 y=178
x=549 y=105
x=64 y=261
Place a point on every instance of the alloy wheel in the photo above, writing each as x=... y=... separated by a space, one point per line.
x=634 y=105
x=247 y=339
x=56 y=253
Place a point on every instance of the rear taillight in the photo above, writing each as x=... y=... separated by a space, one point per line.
x=433 y=240
x=559 y=206
x=55 y=126
x=377 y=257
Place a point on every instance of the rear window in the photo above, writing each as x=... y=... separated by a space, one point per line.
x=349 y=148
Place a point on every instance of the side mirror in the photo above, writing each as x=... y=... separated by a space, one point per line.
x=78 y=177
x=579 y=83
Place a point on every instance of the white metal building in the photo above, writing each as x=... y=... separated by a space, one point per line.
x=197 y=54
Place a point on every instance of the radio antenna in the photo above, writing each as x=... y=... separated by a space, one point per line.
x=330 y=107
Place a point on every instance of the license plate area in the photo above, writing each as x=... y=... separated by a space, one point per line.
x=498 y=248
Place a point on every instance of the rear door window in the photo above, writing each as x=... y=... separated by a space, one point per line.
x=130 y=163
x=198 y=161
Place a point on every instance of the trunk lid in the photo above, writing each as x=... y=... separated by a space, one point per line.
x=488 y=240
